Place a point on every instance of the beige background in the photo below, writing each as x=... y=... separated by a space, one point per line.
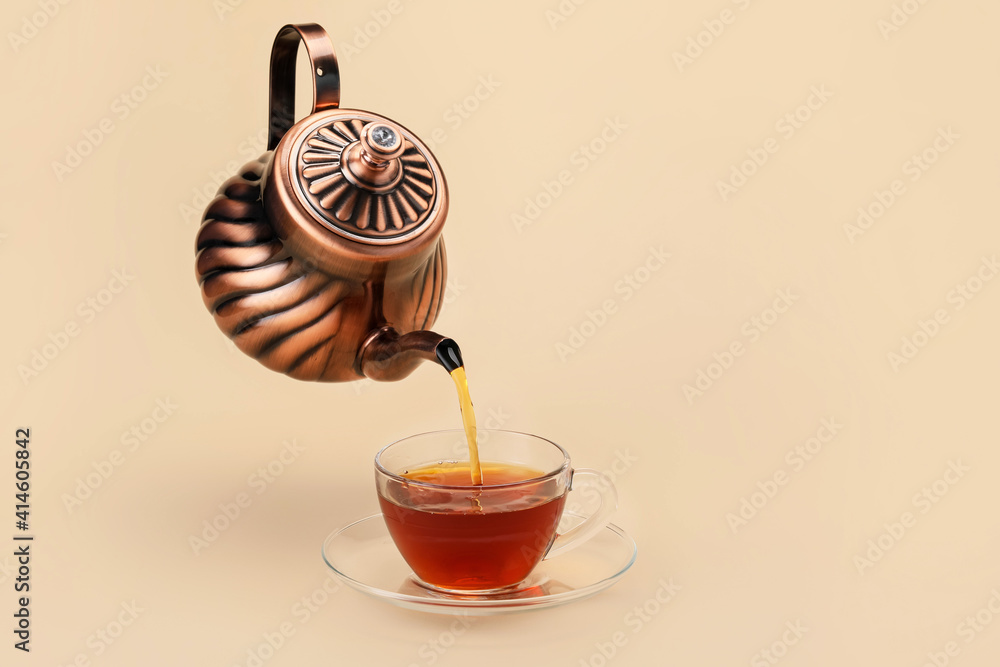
x=516 y=294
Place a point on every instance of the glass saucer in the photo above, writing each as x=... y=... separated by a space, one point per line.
x=364 y=556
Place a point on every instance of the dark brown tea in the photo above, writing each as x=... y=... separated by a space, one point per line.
x=479 y=539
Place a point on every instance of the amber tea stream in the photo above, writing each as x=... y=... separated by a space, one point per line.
x=469 y=422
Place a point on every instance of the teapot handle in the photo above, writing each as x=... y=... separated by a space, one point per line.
x=325 y=71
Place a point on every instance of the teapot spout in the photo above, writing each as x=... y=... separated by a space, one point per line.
x=387 y=356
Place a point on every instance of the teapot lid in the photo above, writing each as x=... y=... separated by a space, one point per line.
x=358 y=174
x=364 y=177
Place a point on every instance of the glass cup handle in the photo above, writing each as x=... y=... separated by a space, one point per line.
x=594 y=523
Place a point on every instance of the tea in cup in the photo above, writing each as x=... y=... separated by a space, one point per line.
x=481 y=539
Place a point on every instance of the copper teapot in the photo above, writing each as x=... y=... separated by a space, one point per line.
x=323 y=259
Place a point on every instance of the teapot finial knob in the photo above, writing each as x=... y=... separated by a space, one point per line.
x=373 y=161
x=381 y=143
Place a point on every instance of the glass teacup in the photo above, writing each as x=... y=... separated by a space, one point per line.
x=467 y=539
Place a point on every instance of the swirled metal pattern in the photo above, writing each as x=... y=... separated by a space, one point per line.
x=290 y=316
